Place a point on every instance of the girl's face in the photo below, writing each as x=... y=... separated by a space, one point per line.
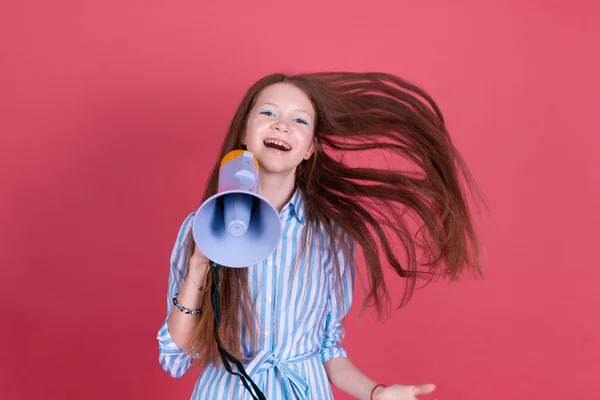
x=280 y=128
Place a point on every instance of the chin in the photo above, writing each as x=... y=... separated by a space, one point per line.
x=276 y=167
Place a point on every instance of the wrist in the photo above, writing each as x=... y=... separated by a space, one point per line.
x=376 y=392
x=197 y=278
x=198 y=269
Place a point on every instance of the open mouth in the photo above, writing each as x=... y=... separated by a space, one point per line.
x=277 y=144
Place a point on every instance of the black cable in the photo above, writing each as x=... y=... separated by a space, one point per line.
x=226 y=357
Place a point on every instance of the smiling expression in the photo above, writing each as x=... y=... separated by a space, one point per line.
x=280 y=128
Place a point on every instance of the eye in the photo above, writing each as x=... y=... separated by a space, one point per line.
x=301 y=121
x=269 y=113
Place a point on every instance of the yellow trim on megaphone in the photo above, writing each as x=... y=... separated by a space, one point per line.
x=232 y=155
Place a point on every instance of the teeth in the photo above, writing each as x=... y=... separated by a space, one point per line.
x=279 y=143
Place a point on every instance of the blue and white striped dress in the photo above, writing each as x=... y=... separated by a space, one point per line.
x=299 y=315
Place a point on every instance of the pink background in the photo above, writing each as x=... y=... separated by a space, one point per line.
x=111 y=113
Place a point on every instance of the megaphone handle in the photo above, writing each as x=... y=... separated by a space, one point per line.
x=226 y=357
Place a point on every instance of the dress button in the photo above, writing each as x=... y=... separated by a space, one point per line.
x=267 y=333
x=269 y=262
x=268 y=299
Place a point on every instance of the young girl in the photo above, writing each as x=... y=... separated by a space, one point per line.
x=283 y=317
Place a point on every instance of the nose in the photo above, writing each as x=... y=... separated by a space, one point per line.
x=281 y=127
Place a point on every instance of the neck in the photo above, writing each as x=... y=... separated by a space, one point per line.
x=277 y=188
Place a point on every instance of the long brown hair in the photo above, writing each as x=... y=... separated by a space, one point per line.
x=357 y=112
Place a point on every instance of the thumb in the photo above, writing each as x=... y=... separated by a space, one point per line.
x=422 y=389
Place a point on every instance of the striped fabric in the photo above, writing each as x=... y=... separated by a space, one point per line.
x=299 y=314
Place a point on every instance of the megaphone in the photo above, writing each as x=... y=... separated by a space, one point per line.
x=237 y=227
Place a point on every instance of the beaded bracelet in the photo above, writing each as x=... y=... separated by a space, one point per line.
x=185 y=309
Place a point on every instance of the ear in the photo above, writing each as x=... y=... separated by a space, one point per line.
x=311 y=150
x=244 y=140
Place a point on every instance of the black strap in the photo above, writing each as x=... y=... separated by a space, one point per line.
x=226 y=357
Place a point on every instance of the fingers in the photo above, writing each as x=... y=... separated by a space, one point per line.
x=422 y=389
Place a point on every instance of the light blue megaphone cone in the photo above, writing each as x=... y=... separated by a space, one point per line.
x=237 y=227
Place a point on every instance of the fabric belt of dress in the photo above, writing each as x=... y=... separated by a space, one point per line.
x=293 y=383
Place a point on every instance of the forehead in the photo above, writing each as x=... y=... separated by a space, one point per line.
x=285 y=95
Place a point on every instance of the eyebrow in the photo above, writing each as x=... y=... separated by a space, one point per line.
x=297 y=109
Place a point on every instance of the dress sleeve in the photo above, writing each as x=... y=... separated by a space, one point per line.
x=338 y=305
x=175 y=361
